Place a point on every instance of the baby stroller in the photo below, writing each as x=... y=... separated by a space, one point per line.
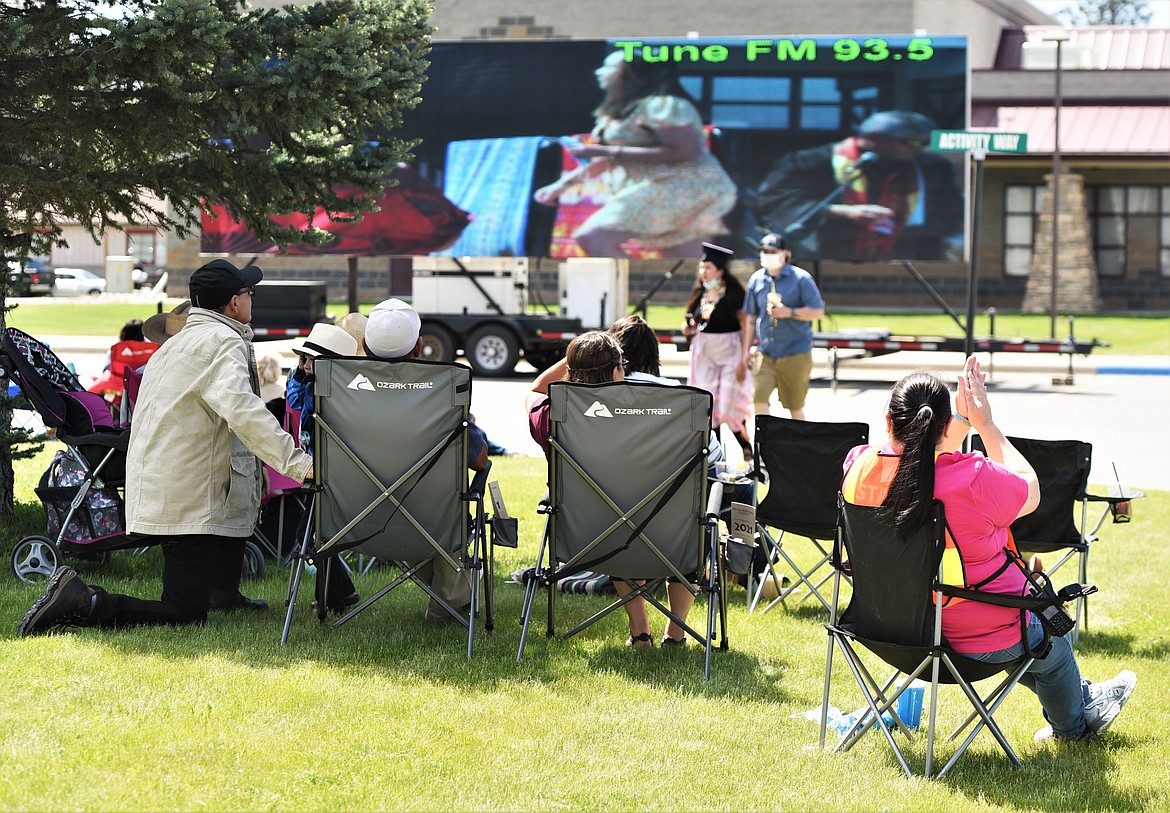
x=82 y=490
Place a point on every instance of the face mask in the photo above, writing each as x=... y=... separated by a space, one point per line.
x=771 y=261
x=711 y=284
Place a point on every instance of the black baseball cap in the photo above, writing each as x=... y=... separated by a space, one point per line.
x=897 y=124
x=774 y=241
x=213 y=285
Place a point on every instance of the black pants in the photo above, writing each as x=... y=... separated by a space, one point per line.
x=193 y=566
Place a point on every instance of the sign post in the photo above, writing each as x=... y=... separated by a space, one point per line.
x=978 y=143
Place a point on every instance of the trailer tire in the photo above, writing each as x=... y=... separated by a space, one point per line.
x=542 y=361
x=437 y=344
x=492 y=350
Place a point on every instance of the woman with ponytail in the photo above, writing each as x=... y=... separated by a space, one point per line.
x=982 y=496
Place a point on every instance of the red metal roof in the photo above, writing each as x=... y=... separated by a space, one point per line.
x=1095 y=130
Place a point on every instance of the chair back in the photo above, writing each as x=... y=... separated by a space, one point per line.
x=390 y=441
x=804 y=462
x=893 y=577
x=1062 y=467
x=130 y=354
x=628 y=477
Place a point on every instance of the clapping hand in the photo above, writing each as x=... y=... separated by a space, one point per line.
x=971 y=396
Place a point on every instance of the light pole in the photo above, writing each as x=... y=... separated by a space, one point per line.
x=1060 y=38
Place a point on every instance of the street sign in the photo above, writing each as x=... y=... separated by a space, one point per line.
x=977 y=140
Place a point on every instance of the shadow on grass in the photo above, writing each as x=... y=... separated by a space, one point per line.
x=391 y=639
x=1058 y=777
x=1121 y=644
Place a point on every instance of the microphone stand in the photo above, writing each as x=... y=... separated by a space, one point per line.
x=799 y=227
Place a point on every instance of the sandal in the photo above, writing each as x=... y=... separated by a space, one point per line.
x=668 y=641
x=636 y=641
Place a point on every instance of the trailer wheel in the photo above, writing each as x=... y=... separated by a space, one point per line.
x=542 y=361
x=437 y=344
x=492 y=350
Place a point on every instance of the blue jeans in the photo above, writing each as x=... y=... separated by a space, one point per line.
x=1056 y=680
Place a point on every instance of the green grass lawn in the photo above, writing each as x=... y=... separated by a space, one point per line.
x=386 y=712
x=1126 y=335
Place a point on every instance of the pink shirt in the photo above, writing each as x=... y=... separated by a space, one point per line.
x=981 y=498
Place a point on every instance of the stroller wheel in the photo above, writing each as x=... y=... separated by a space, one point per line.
x=35 y=558
x=254 y=565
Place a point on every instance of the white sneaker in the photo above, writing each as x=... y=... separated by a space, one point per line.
x=1043 y=734
x=1106 y=700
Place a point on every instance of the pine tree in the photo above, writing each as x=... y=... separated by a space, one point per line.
x=103 y=106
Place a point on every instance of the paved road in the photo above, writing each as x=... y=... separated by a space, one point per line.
x=1124 y=416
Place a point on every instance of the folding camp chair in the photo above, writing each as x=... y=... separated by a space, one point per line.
x=628 y=498
x=803 y=463
x=390 y=465
x=1063 y=466
x=896 y=613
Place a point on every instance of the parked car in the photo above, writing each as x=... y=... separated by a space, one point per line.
x=33 y=279
x=78 y=282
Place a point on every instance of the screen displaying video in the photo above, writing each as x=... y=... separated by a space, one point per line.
x=643 y=148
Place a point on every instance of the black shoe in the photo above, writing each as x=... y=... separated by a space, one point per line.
x=342 y=607
x=66 y=602
x=225 y=602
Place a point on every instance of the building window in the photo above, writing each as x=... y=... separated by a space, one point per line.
x=1131 y=228
x=140 y=246
x=1021 y=208
x=1164 y=234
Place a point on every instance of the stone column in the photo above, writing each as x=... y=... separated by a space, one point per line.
x=1076 y=281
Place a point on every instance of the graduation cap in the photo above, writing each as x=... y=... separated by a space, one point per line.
x=718 y=255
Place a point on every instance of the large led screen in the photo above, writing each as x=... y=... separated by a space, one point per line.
x=644 y=148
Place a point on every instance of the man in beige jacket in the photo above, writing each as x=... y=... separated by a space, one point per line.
x=193 y=481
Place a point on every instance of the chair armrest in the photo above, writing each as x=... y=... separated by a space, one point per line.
x=1066 y=594
x=1114 y=499
x=479 y=482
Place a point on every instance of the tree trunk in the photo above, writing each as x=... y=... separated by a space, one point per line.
x=7 y=476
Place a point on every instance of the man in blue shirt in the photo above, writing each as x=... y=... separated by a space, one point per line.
x=785 y=302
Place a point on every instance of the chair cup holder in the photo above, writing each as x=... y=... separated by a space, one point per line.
x=505 y=531
x=738 y=555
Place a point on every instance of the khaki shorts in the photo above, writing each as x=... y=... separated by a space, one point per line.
x=788 y=376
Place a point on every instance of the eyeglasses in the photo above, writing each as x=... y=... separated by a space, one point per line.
x=250 y=291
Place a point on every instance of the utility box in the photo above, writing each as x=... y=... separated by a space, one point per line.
x=280 y=304
x=594 y=289
x=439 y=285
x=119 y=275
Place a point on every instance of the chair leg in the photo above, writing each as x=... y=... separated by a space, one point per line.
x=294 y=579
x=756 y=588
x=865 y=723
x=825 y=695
x=986 y=717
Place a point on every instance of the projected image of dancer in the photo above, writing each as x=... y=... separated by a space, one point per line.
x=667 y=191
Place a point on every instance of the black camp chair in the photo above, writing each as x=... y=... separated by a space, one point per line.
x=1061 y=523
x=896 y=613
x=628 y=498
x=391 y=479
x=803 y=463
